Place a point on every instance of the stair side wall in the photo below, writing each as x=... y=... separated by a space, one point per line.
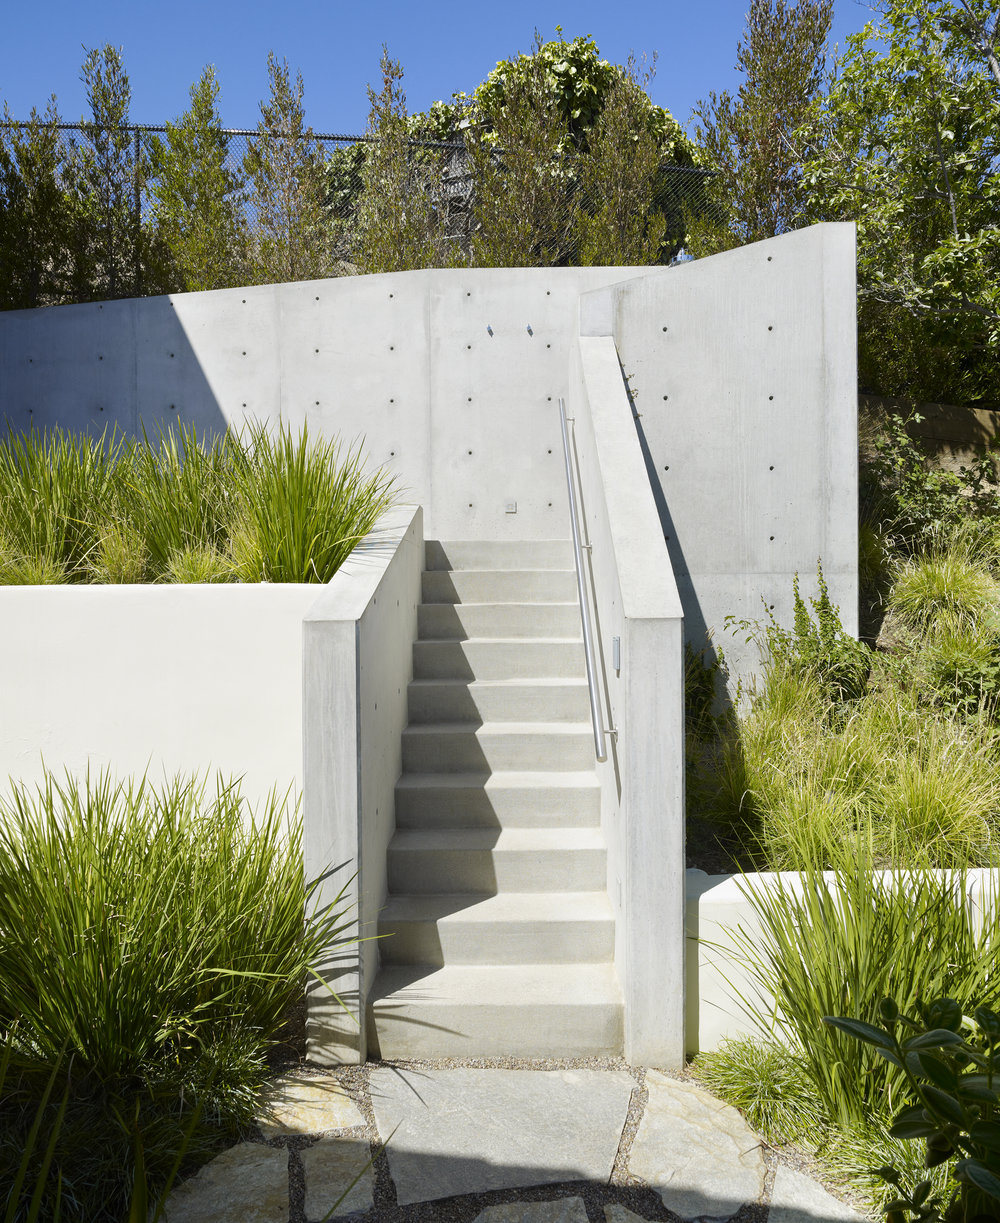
x=356 y=666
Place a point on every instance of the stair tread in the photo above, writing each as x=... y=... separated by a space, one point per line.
x=517 y=641
x=469 y=727
x=505 y=779
x=501 y=906
x=558 y=985
x=503 y=839
x=519 y=681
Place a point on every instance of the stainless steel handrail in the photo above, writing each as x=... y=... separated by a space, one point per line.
x=600 y=734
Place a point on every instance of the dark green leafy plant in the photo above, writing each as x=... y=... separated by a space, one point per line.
x=950 y=1063
x=924 y=502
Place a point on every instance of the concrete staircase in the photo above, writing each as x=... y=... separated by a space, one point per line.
x=500 y=936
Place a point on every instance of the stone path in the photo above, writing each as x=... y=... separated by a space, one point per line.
x=467 y=1144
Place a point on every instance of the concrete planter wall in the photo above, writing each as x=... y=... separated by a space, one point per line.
x=158 y=679
x=719 y=988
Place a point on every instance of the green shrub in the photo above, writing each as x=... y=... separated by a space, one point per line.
x=257 y=507
x=767 y=1083
x=949 y=1062
x=300 y=506
x=151 y=939
x=839 y=944
x=958 y=669
x=816 y=644
x=944 y=585
x=921 y=503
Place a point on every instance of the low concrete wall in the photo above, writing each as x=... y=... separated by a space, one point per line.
x=642 y=781
x=159 y=679
x=720 y=989
x=356 y=665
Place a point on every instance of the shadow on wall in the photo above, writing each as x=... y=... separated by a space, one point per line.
x=100 y=362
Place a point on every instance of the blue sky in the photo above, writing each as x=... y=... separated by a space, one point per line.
x=444 y=46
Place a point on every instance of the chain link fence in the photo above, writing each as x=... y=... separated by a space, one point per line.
x=335 y=165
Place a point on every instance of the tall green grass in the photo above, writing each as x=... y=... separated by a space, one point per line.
x=837 y=943
x=273 y=506
x=151 y=940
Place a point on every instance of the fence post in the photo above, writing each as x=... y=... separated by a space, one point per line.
x=137 y=248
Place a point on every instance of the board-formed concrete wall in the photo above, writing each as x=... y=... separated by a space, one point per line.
x=742 y=369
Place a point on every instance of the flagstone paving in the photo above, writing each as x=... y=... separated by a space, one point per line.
x=468 y=1144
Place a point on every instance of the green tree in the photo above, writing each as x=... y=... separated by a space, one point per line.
x=285 y=168
x=519 y=149
x=906 y=145
x=394 y=222
x=108 y=174
x=748 y=139
x=35 y=211
x=618 y=174
x=197 y=199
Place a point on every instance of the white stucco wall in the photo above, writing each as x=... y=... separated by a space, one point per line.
x=159 y=679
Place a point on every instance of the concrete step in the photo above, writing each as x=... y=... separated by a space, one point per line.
x=460 y=621
x=548 y=1010
x=498 y=800
x=499 y=586
x=509 y=928
x=491 y=860
x=511 y=658
x=460 y=747
x=498 y=700
x=498 y=554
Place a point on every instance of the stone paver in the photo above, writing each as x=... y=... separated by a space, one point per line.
x=296 y=1104
x=246 y=1184
x=695 y=1151
x=330 y=1166
x=615 y=1212
x=797 y=1199
x=473 y=1131
x=562 y=1210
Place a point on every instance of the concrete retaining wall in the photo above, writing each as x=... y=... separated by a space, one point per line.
x=163 y=679
x=356 y=665
x=742 y=368
x=642 y=781
x=452 y=377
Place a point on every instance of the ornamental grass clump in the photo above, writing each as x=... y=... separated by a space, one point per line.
x=837 y=943
x=255 y=506
x=151 y=940
x=300 y=505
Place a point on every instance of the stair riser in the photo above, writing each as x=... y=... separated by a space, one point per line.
x=466 y=752
x=474 y=807
x=403 y=1030
x=498 y=660
x=458 y=622
x=503 y=942
x=450 y=702
x=499 y=586
x=499 y=554
x=419 y=871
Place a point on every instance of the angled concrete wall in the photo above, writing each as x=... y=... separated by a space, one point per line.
x=742 y=369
